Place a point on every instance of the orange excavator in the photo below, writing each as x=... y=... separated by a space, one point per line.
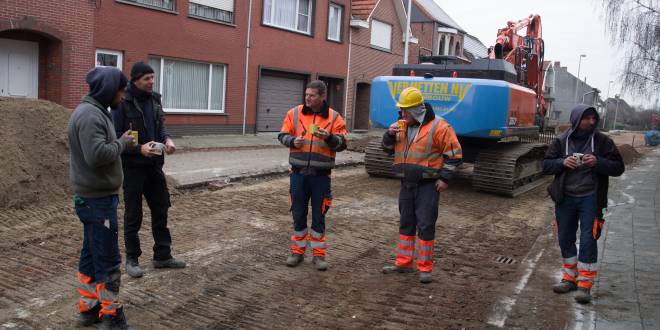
x=524 y=52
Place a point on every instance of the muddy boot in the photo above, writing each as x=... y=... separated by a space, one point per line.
x=133 y=268
x=319 y=263
x=425 y=277
x=89 y=317
x=583 y=296
x=117 y=322
x=169 y=263
x=397 y=270
x=564 y=287
x=294 y=259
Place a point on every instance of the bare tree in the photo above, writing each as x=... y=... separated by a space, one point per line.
x=634 y=25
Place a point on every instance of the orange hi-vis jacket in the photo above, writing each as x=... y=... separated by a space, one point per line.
x=433 y=154
x=315 y=153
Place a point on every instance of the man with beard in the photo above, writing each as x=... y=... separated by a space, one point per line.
x=582 y=160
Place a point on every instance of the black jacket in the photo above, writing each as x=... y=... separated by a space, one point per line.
x=609 y=162
x=129 y=115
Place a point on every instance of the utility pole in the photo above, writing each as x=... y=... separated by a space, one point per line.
x=616 y=111
x=607 y=101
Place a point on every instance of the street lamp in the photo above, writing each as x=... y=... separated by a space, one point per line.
x=616 y=110
x=577 y=82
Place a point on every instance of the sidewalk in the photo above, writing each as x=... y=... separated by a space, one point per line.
x=627 y=292
x=200 y=160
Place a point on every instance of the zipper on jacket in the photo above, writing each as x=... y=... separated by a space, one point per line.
x=309 y=156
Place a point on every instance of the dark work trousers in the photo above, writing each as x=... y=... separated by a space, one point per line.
x=418 y=206
x=150 y=182
x=99 y=257
x=306 y=187
x=574 y=212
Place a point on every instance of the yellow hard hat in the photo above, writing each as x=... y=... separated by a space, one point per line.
x=410 y=97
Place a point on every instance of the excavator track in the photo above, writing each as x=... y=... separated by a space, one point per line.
x=377 y=162
x=509 y=169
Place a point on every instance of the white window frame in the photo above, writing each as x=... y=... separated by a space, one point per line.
x=339 y=22
x=377 y=22
x=120 y=57
x=272 y=12
x=208 y=102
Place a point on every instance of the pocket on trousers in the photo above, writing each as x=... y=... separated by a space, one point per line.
x=327 y=202
x=598 y=227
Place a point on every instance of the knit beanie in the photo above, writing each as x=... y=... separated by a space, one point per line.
x=140 y=69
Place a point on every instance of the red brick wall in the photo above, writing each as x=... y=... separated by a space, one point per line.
x=285 y=50
x=64 y=30
x=425 y=33
x=139 y=32
x=367 y=62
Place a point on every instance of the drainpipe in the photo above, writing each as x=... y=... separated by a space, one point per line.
x=247 y=65
x=348 y=77
x=405 y=47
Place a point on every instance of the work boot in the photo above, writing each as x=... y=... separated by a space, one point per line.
x=564 y=286
x=425 y=277
x=89 y=317
x=294 y=259
x=133 y=268
x=117 y=322
x=169 y=263
x=396 y=269
x=319 y=263
x=583 y=296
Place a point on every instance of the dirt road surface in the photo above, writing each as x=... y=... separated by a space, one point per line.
x=235 y=241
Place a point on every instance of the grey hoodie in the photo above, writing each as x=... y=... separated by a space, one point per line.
x=95 y=167
x=582 y=180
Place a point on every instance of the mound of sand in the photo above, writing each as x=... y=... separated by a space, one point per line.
x=628 y=153
x=34 y=152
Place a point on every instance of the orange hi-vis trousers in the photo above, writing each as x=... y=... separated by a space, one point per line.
x=406 y=253
x=92 y=293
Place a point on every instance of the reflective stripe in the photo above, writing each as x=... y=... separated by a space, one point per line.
x=316 y=235
x=418 y=155
x=317 y=245
x=570 y=272
x=316 y=143
x=406 y=243
x=448 y=166
x=300 y=244
x=587 y=267
x=429 y=141
x=452 y=153
x=571 y=260
x=424 y=258
x=405 y=252
x=301 y=233
x=425 y=248
x=295 y=119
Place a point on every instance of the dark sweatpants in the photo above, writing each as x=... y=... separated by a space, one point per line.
x=150 y=182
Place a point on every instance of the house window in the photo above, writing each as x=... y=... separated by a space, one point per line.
x=189 y=86
x=217 y=10
x=294 y=15
x=163 y=4
x=334 y=22
x=106 y=57
x=381 y=35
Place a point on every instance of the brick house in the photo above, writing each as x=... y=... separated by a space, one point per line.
x=44 y=53
x=438 y=33
x=376 y=45
x=208 y=39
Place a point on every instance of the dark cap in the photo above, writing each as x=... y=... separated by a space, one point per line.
x=140 y=69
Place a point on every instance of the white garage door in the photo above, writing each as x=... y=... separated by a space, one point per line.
x=276 y=96
x=19 y=68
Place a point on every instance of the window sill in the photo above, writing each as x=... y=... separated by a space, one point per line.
x=306 y=34
x=173 y=12
x=335 y=41
x=193 y=112
x=381 y=49
x=212 y=21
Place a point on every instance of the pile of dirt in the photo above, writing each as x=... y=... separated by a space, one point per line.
x=628 y=153
x=34 y=156
x=359 y=144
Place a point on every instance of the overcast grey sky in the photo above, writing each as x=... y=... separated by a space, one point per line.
x=570 y=28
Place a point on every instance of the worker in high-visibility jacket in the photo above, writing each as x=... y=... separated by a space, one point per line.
x=314 y=133
x=426 y=154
